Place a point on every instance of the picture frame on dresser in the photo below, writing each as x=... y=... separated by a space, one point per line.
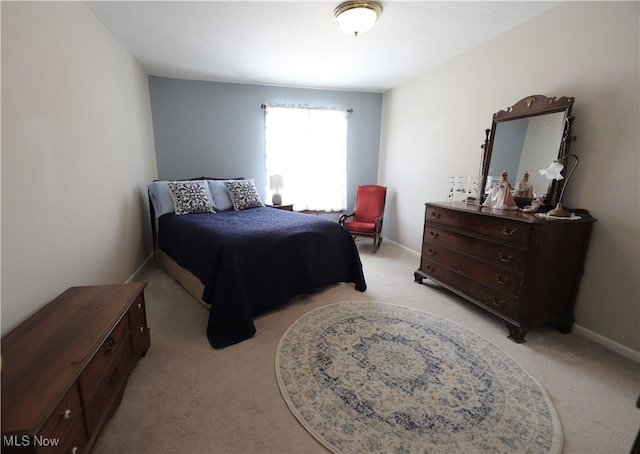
x=523 y=267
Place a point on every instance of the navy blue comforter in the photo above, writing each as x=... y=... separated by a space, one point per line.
x=253 y=260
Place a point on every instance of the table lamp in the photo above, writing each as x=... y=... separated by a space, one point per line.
x=276 y=182
x=553 y=172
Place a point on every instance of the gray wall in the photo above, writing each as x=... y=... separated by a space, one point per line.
x=217 y=129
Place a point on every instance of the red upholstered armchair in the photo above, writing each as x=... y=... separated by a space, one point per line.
x=368 y=213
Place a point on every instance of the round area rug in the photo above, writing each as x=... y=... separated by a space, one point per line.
x=379 y=378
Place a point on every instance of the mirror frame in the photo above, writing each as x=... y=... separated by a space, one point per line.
x=530 y=106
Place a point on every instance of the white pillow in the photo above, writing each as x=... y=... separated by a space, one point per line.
x=161 y=198
x=243 y=194
x=191 y=196
x=221 y=197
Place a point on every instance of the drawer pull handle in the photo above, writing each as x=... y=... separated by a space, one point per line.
x=432 y=251
x=435 y=215
x=430 y=269
x=505 y=258
x=139 y=305
x=502 y=281
x=507 y=231
x=66 y=414
x=497 y=302
x=74 y=450
x=111 y=345
x=434 y=235
x=114 y=377
x=142 y=329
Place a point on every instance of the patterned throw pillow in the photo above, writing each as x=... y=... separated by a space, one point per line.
x=244 y=194
x=191 y=196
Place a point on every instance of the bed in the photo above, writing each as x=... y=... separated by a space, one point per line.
x=248 y=259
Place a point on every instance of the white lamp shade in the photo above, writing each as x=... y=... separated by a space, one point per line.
x=276 y=182
x=553 y=171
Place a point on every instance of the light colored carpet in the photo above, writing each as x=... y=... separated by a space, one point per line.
x=371 y=377
x=185 y=397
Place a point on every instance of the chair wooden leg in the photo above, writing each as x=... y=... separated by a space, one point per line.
x=377 y=239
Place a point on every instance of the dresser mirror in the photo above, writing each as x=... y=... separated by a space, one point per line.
x=526 y=137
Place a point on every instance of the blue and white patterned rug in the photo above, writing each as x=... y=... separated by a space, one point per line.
x=379 y=378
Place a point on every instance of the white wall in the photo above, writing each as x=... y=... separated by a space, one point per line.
x=77 y=152
x=433 y=127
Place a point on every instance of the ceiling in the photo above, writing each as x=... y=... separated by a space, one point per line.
x=296 y=43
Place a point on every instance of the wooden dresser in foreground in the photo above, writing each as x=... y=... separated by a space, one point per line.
x=65 y=368
x=524 y=269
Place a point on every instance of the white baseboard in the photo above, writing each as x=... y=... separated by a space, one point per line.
x=584 y=332
x=410 y=251
x=605 y=341
x=136 y=273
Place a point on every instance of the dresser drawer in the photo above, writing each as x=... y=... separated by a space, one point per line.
x=483 y=295
x=140 y=340
x=137 y=309
x=507 y=257
x=75 y=440
x=503 y=229
x=489 y=275
x=103 y=359
x=67 y=411
x=109 y=387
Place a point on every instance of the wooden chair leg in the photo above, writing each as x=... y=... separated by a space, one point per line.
x=377 y=239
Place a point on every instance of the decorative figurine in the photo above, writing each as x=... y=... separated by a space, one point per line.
x=535 y=205
x=524 y=188
x=500 y=196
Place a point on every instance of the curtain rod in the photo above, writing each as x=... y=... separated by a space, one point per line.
x=264 y=106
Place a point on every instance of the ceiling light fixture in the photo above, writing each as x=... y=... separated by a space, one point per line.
x=355 y=17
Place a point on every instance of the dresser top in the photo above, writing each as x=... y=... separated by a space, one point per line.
x=46 y=353
x=515 y=215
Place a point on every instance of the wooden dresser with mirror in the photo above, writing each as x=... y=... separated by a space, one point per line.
x=523 y=267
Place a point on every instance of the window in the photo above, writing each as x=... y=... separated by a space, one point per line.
x=308 y=147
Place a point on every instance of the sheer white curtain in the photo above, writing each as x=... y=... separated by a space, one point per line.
x=308 y=147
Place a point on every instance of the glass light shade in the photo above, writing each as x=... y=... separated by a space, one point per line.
x=553 y=172
x=356 y=17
